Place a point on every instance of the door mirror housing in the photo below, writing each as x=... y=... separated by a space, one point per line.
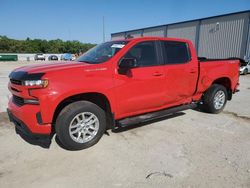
x=128 y=63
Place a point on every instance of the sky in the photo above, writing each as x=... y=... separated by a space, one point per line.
x=82 y=19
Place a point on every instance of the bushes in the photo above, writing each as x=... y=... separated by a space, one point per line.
x=8 y=45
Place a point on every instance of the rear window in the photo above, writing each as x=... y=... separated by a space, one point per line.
x=176 y=52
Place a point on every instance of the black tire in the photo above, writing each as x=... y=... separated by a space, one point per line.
x=245 y=72
x=68 y=114
x=208 y=104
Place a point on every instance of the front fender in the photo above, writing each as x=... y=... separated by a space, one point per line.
x=50 y=102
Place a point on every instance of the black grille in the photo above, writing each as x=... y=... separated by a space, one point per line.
x=18 y=100
x=14 y=89
x=17 y=82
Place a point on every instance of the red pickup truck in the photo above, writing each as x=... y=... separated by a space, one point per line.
x=117 y=83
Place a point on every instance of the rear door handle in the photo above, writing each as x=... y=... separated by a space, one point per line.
x=193 y=71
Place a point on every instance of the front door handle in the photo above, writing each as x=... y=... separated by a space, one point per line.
x=157 y=74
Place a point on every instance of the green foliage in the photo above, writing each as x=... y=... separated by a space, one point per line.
x=8 y=45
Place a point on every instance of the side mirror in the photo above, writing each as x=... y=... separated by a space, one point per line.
x=127 y=63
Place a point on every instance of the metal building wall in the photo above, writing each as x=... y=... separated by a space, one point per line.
x=215 y=37
x=156 y=31
x=248 y=42
x=118 y=36
x=223 y=37
x=186 y=30
x=135 y=34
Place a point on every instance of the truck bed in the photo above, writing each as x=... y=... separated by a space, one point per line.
x=218 y=70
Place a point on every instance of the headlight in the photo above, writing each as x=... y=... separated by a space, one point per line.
x=40 y=83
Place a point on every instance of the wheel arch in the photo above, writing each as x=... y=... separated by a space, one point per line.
x=99 y=99
x=226 y=82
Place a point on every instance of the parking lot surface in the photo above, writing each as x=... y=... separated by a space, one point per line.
x=187 y=149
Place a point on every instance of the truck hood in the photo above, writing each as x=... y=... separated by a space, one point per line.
x=44 y=68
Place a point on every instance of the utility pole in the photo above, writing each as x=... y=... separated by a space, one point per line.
x=103 y=28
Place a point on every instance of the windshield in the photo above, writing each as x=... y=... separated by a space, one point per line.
x=102 y=52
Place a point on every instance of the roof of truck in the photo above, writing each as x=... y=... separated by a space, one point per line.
x=153 y=38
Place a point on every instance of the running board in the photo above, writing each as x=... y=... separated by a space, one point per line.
x=153 y=115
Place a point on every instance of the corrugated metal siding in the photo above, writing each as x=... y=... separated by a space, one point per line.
x=154 y=32
x=223 y=37
x=118 y=36
x=248 y=43
x=184 y=30
x=134 y=34
x=228 y=39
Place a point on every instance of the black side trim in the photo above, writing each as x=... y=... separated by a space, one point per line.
x=22 y=75
x=153 y=115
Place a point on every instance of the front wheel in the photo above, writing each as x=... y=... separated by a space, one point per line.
x=214 y=99
x=80 y=125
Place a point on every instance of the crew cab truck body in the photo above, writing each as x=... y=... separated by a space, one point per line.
x=117 y=83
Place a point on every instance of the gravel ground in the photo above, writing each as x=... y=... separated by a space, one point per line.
x=188 y=149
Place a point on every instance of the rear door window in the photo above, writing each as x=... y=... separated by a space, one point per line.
x=176 y=52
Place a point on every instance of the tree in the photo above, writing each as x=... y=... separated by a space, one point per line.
x=8 y=45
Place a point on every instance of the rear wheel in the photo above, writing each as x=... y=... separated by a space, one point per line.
x=80 y=125
x=214 y=99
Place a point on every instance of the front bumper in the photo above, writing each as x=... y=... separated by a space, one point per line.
x=21 y=128
x=26 y=120
x=241 y=71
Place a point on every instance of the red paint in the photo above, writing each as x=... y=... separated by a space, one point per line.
x=143 y=89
